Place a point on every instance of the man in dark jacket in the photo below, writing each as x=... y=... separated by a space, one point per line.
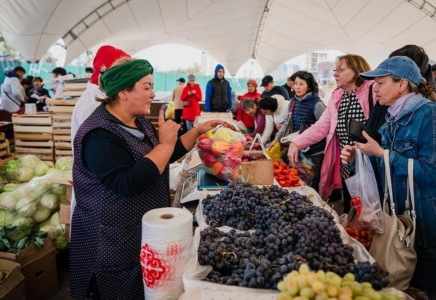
x=289 y=86
x=271 y=89
x=218 y=92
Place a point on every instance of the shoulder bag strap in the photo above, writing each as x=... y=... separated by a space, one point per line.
x=410 y=205
x=370 y=98
x=388 y=182
x=13 y=100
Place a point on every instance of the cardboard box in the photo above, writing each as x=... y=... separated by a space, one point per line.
x=39 y=269
x=12 y=286
x=65 y=213
x=259 y=171
x=68 y=183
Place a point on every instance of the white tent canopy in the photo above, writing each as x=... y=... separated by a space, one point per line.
x=232 y=31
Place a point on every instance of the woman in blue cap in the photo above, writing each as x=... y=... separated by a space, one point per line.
x=409 y=132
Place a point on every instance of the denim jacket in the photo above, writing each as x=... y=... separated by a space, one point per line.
x=412 y=134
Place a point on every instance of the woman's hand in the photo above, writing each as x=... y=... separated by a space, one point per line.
x=371 y=147
x=168 y=130
x=293 y=154
x=279 y=127
x=272 y=144
x=209 y=125
x=348 y=154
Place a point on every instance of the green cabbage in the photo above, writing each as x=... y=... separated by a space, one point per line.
x=5 y=218
x=9 y=187
x=26 y=207
x=50 y=170
x=22 y=221
x=59 y=189
x=28 y=161
x=41 y=187
x=10 y=167
x=24 y=174
x=23 y=192
x=55 y=218
x=50 y=201
x=53 y=226
x=64 y=164
x=41 y=168
x=41 y=214
x=8 y=202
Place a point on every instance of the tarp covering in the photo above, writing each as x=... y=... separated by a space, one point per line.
x=225 y=29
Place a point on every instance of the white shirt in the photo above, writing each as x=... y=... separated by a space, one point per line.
x=58 y=84
x=13 y=88
x=282 y=112
x=85 y=107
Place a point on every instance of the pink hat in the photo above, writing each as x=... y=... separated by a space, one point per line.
x=253 y=82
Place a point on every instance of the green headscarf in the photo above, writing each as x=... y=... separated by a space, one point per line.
x=118 y=78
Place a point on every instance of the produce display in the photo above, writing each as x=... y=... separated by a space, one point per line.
x=249 y=142
x=221 y=150
x=305 y=285
x=25 y=168
x=286 y=177
x=288 y=231
x=13 y=239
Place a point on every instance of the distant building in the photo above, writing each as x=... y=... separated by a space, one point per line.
x=284 y=71
x=325 y=72
x=207 y=65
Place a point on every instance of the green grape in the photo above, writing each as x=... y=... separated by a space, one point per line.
x=361 y=298
x=302 y=281
x=330 y=275
x=349 y=277
x=322 y=296
x=307 y=292
x=318 y=287
x=372 y=295
x=366 y=285
x=304 y=269
x=281 y=286
x=345 y=291
x=346 y=283
x=356 y=288
x=301 y=298
x=332 y=291
x=345 y=297
x=312 y=278
x=284 y=296
x=321 y=276
x=336 y=281
x=292 y=285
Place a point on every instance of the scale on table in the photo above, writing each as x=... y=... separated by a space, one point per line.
x=194 y=185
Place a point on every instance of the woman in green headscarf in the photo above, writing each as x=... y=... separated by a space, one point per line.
x=120 y=172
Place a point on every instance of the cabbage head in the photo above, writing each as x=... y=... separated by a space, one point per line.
x=10 y=167
x=55 y=219
x=24 y=174
x=50 y=201
x=22 y=192
x=50 y=170
x=59 y=189
x=10 y=187
x=5 y=218
x=29 y=161
x=41 y=168
x=8 y=202
x=41 y=187
x=22 y=221
x=64 y=164
x=26 y=207
x=41 y=214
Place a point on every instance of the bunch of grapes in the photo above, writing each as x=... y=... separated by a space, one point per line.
x=305 y=285
x=288 y=231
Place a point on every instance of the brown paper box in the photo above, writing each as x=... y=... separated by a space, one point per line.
x=39 y=269
x=67 y=233
x=12 y=286
x=259 y=171
x=65 y=213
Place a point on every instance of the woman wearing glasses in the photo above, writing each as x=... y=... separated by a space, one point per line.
x=349 y=101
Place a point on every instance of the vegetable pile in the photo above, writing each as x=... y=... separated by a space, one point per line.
x=286 y=177
x=13 y=239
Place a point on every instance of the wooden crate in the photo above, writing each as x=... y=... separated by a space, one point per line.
x=34 y=135
x=62 y=113
x=61 y=106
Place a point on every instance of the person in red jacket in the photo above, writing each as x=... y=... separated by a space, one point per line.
x=251 y=94
x=191 y=95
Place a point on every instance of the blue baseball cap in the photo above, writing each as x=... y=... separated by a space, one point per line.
x=400 y=66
